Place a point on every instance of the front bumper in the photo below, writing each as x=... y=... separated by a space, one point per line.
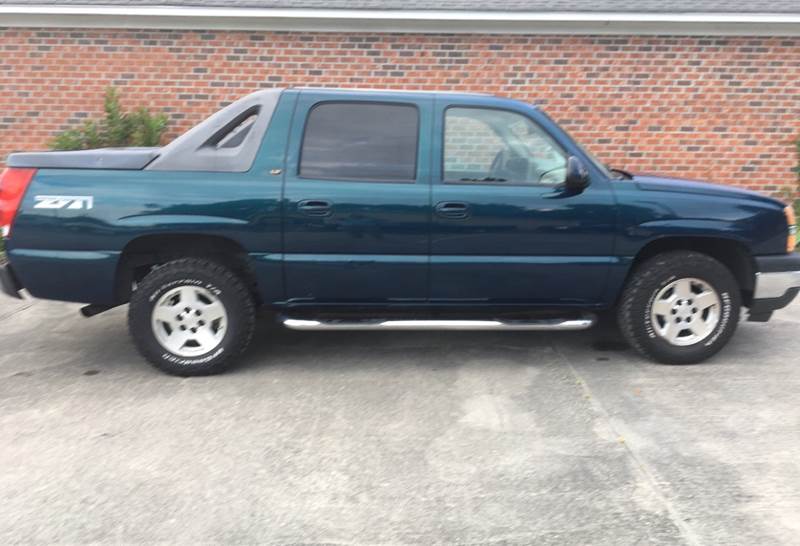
x=777 y=284
x=9 y=283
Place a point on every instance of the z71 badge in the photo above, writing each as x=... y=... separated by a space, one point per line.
x=64 y=202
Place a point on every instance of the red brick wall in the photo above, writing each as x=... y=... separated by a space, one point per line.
x=724 y=109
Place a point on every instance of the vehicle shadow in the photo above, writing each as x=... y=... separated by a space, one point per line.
x=105 y=345
x=275 y=345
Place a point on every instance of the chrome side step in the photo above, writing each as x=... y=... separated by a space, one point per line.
x=586 y=321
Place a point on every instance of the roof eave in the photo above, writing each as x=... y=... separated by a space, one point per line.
x=340 y=20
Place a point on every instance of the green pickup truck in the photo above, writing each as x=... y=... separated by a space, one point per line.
x=350 y=209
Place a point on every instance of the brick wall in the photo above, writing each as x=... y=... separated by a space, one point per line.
x=724 y=109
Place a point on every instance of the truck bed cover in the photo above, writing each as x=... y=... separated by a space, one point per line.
x=103 y=158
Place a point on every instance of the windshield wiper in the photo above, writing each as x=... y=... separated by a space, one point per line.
x=622 y=173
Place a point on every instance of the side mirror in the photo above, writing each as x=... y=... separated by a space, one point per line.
x=577 y=178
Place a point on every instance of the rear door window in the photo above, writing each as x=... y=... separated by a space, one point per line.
x=368 y=141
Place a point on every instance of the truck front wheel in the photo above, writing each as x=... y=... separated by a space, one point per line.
x=680 y=307
x=191 y=317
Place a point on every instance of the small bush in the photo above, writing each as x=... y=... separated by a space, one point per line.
x=797 y=167
x=117 y=129
x=797 y=193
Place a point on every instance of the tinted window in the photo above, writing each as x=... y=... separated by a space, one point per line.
x=236 y=135
x=496 y=146
x=361 y=141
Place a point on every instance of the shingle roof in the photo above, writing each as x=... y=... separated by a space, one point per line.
x=617 y=6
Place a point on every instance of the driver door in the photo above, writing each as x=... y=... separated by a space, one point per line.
x=504 y=231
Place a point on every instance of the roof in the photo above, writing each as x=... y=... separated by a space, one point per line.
x=676 y=17
x=592 y=6
x=386 y=91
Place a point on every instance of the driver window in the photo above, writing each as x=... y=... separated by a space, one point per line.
x=487 y=146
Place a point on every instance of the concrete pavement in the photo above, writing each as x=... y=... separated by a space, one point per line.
x=396 y=437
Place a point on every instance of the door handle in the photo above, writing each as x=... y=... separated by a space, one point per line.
x=314 y=207
x=452 y=209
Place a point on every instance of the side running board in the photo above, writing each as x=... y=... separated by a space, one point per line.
x=582 y=323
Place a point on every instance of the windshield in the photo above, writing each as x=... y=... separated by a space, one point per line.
x=596 y=162
x=589 y=155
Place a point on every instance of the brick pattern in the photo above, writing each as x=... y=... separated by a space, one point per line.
x=723 y=109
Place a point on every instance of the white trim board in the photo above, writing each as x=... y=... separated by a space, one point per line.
x=421 y=21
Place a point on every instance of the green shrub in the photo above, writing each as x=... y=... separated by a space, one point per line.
x=117 y=129
x=797 y=193
x=797 y=168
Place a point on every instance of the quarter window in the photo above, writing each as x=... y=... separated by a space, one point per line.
x=487 y=146
x=361 y=141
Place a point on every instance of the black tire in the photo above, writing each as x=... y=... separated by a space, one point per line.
x=230 y=291
x=647 y=281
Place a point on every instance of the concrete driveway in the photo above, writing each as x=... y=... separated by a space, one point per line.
x=432 y=437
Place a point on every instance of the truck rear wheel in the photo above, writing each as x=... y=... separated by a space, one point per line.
x=680 y=307
x=191 y=317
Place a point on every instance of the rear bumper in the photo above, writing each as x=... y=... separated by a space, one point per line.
x=777 y=283
x=9 y=283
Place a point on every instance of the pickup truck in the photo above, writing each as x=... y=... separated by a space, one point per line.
x=357 y=209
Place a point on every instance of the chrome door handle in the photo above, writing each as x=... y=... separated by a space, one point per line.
x=454 y=210
x=315 y=207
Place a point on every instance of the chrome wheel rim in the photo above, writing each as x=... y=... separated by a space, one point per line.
x=685 y=312
x=189 y=321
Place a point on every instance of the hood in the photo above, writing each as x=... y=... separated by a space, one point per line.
x=677 y=185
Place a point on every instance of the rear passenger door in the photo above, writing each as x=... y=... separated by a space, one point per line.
x=356 y=198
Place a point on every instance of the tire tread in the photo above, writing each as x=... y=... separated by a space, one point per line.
x=647 y=274
x=212 y=269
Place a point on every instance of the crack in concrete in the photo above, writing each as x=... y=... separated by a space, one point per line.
x=15 y=311
x=639 y=462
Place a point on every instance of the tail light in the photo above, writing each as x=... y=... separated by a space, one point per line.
x=13 y=183
x=791 y=221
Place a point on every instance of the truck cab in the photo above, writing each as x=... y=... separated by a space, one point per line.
x=343 y=209
x=438 y=199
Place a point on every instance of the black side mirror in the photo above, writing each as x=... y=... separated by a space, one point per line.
x=577 y=178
